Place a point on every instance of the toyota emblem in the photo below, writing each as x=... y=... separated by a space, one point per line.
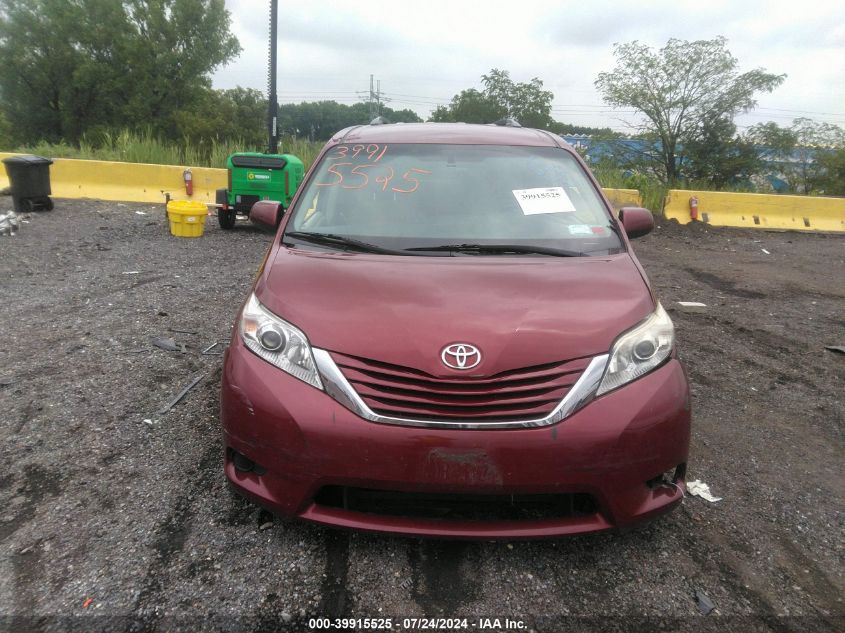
x=460 y=356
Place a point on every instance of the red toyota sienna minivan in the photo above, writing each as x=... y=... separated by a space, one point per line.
x=451 y=336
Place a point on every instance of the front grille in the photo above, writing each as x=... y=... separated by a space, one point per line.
x=458 y=507
x=519 y=394
x=262 y=162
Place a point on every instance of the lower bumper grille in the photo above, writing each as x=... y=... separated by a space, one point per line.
x=458 y=507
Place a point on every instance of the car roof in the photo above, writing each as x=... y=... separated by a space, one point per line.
x=448 y=133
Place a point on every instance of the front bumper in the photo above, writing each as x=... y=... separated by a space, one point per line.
x=306 y=441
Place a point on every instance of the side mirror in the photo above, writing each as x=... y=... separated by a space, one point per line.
x=267 y=214
x=636 y=221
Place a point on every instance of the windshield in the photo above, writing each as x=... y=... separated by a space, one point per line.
x=472 y=199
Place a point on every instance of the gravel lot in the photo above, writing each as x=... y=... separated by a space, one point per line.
x=116 y=517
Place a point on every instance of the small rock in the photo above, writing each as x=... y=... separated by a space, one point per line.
x=287 y=617
x=692 y=306
x=266 y=526
x=705 y=605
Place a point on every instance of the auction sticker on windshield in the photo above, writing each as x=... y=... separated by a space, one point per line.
x=543 y=200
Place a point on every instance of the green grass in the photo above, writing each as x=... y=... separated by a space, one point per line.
x=145 y=147
x=652 y=191
x=306 y=151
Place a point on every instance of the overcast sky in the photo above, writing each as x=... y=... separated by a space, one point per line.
x=427 y=51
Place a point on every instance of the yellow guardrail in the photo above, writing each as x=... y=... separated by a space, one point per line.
x=754 y=210
x=140 y=182
x=130 y=182
x=623 y=197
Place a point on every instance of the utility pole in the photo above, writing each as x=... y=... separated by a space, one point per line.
x=371 y=102
x=273 y=112
x=374 y=97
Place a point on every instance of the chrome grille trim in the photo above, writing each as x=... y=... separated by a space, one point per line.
x=338 y=387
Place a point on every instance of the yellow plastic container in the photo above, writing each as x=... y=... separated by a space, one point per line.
x=187 y=218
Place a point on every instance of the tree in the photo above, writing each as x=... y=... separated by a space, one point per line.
x=527 y=102
x=832 y=183
x=801 y=152
x=70 y=67
x=174 y=46
x=405 y=115
x=816 y=141
x=237 y=115
x=775 y=141
x=470 y=106
x=720 y=157
x=682 y=90
x=582 y=130
x=318 y=120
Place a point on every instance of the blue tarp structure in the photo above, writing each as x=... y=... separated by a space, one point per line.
x=624 y=150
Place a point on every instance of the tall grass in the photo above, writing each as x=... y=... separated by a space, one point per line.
x=146 y=147
x=652 y=191
x=304 y=150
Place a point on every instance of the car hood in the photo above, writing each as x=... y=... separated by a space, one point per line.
x=519 y=311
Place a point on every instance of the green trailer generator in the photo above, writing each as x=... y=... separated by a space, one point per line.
x=253 y=177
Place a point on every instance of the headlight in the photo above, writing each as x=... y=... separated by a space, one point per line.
x=639 y=351
x=278 y=342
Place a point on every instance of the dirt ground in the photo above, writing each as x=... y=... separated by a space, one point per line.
x=116 y=517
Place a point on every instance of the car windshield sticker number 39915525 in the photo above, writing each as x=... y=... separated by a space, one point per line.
x=543 y=200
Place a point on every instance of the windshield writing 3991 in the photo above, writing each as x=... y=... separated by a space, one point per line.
x=354 y=165
x=371 y=152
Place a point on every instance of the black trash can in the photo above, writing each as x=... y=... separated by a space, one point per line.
x=29 y=179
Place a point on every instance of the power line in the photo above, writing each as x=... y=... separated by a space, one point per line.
x=842 y=114
x=398 y=94
x=579 y=107
x=376 y=97
x=787 y=117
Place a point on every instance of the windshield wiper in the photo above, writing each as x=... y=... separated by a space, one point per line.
x=330 y=239
x=500 y=248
